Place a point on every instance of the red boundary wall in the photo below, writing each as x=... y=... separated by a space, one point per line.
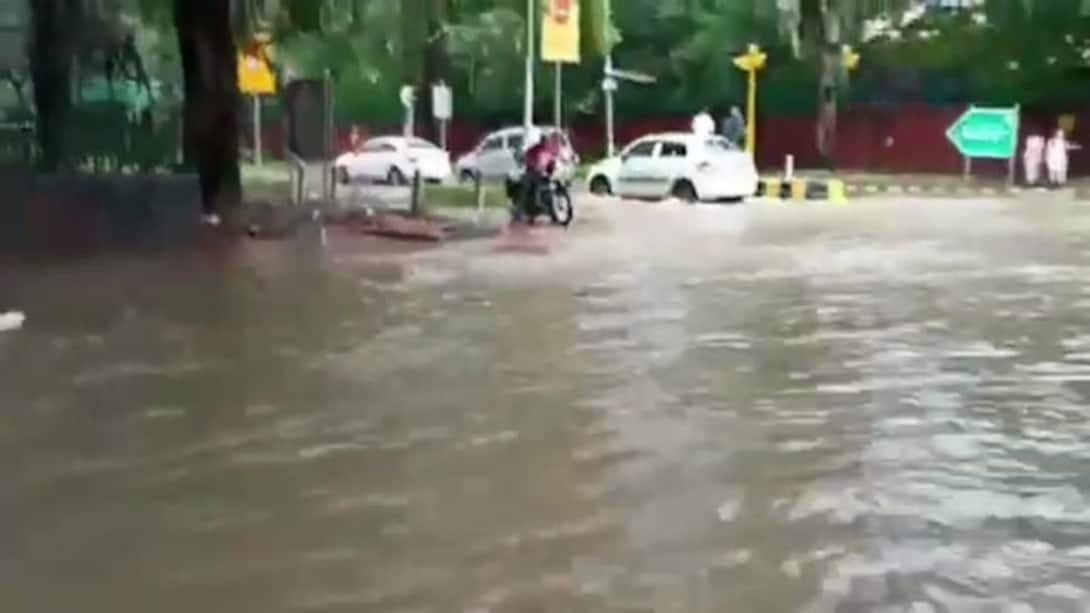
x=903 y=140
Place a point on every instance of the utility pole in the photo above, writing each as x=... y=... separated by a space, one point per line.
x=609 y=84
x=528 y=108
x=750 y=62
x=558 y=93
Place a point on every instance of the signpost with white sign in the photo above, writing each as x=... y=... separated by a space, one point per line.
x=442 y=108
x=987 y=133
x=408 y=100
x=256 y=78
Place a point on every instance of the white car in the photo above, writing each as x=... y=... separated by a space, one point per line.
x=497 y=156
x=687 y=166
x=393 y=159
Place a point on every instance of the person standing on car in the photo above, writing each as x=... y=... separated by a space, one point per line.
x=703 y=124
x=734 y=127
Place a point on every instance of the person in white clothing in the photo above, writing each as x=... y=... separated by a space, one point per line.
x=703 y=124
x=1056 y=158
x=1032 y=157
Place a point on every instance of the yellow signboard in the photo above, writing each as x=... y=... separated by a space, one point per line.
x=255 y=77
x=560 y=31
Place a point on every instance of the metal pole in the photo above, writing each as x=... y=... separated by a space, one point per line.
x=609 y=93
x=257 y=130
x=1014 y=155
x=609 y=106
x=528 y=103
x=558 y=92
x=751 y=113
x=414 y=195
x=327 y=168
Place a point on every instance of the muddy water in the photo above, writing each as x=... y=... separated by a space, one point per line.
x=878 y=408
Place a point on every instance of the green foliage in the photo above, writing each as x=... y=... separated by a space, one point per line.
x=1029 y=51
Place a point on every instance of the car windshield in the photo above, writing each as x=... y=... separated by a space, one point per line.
x=719 y=144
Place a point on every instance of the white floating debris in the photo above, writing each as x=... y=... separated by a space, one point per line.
x=12 y=320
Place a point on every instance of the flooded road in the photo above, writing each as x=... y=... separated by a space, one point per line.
x=878 y=407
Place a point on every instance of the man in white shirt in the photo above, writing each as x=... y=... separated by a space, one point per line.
x=703 y=124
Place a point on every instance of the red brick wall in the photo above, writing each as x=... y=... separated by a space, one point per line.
x=906 y=140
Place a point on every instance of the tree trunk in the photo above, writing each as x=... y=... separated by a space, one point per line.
x=51 y=54
x=211 y=109
x=425 y=59
x=829 y=81
x=436 y=60
x=413 y=43
x=827 y=105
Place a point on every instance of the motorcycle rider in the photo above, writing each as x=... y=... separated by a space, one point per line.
x=540 y=162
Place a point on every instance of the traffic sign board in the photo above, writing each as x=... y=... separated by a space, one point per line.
x=986 y=133
x=442 y=103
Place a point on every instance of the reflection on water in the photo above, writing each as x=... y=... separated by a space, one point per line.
x=809 y=416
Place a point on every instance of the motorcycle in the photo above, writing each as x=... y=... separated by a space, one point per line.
x=553 y=198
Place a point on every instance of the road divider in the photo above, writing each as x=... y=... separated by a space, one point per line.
x=801 y=189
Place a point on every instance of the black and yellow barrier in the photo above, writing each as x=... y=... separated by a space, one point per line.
x=831 y=190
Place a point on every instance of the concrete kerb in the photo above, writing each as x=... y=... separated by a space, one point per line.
x=803 y=189
x=952 y=187
x=839 y=190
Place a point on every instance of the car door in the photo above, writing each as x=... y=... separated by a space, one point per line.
x=364 y=162
x=635 y=178
x=381 y=160
x=513 y=143
x=491 y=157
x=670 y=163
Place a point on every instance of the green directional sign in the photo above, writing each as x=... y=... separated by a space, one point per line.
x=986 y=132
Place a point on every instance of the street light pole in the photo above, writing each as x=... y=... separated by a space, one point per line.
x=608 y=85
x=750 y=62
x=558 y=97
x=528 y=108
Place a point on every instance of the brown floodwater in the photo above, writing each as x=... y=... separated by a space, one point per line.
x=880 y=407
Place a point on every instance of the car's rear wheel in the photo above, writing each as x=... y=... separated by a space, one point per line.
x=467 y=176
x=342 y=176
x=599 y=186
x=684 y=191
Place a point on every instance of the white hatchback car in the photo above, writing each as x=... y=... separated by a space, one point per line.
x=393 y=159
x=687 y=166
x=497 y=155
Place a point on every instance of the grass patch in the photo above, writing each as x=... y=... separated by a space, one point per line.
x=462 y=196
x=270 y=173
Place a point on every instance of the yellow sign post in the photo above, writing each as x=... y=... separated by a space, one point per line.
x=255 y=75
x=560 y=43
x=850 y=57
x=560 y=32
x=750 y=62
x=256 y=78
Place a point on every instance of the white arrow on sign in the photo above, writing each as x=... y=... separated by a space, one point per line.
x=631 y=75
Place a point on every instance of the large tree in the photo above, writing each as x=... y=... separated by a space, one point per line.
x=54 y=24
x=210 y=72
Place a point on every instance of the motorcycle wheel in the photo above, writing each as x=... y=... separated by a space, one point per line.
x=561 y=209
